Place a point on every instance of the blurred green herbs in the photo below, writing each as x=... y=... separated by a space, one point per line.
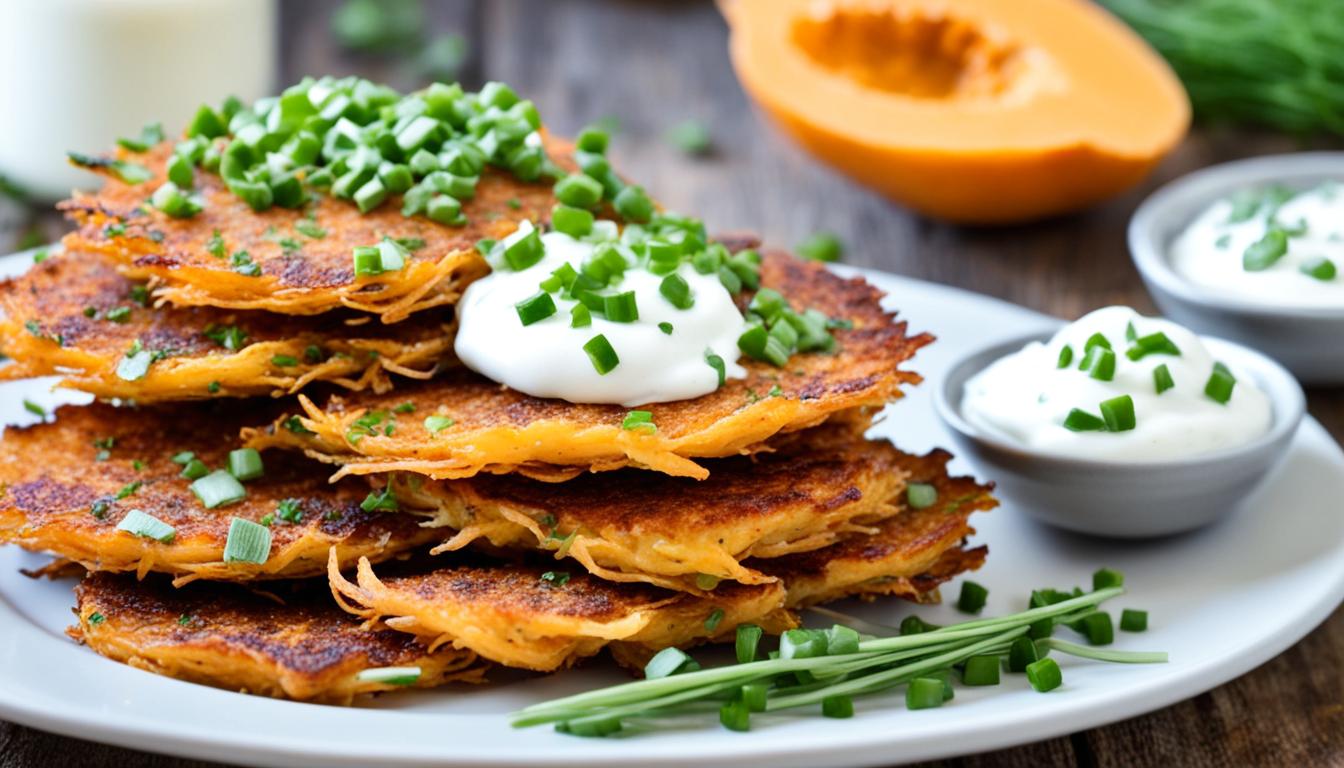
x=1275 y=63
x=397 y=29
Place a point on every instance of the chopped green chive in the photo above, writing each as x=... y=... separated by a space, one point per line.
x=1044 y=675
x=1118 y=413
x=406 y=407
x=1162 y=380
x=436 y=424
x=1220 y=384
x=1319 y=267
x=380 y=501
x=1022 y=654
x=182 y=458
x=245 y=464
x=579 y=191
x=535 y=308
x=96 y=618
x=309 y=228
x=230 y=337
x=677 y=291
x=147 y=526
x=580 y=316
x=402 y=676
x=921 y=495
x=668 y=662
x=248 y=542
x=712 y=621
x=170 y=199
x=748 y=640
x=837 y=706
x=129 y=489
x=1096 y=340
x=1096 y=627
x=633 y=204
x=118 y=314
x=666 y=328
x=1152 y=344
x=717 y=363
x=924 y=693
x=639 y=420
x=523 y=249
x=1107 y=577
x=1099 y=362
x=691 y=137
x=1065 y=357
x=575 y=222
x=822 y=246
x=217 y=489
x=981 y=670
x=621 y=307
x=1265 y=252
x=35 y=409
x=284 y=361
x=972 y=598
x=194 y=469
x=601 y=353
x=1082 y=421
x=556 y=578
x=150 y=135
x=1132 y=620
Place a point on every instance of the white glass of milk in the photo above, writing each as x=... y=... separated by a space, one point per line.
x=77 y=74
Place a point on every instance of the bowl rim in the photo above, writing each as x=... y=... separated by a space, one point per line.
x=1287 y=411
x=1208 y=184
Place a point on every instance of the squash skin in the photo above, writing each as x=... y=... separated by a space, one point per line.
x=974 y=178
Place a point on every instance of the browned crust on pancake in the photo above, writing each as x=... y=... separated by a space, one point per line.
x=905 y=549
x=47 y=327
x=507 y=613
x=50 y=478
x=669 y=531
x=318 y=277
x=499 y=430
x=295 y=645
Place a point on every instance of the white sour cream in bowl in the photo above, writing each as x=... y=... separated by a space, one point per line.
x=1115 y=385
x=1270 y=245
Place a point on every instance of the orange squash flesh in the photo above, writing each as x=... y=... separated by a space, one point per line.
x=975 y=111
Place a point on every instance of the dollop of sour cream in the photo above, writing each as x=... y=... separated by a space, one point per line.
x=1027 y=396
x=547 y=358
x=1212 y=252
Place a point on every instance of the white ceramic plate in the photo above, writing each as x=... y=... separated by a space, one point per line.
x=1280 y=558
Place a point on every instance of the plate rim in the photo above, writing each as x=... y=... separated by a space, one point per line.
x=852 y=746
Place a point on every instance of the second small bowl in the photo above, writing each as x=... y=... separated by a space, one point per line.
x=1125 y=499
x=1306 y=340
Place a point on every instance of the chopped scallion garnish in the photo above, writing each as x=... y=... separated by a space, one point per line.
x=146 y=526
x=390 y=675
x=248 y=542
x=1220 y=384
x=217 y=489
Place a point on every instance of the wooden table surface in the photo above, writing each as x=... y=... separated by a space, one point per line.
x=652 y=64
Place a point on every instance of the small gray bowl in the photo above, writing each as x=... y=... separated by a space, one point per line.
x=1125 y=499
x=1305 y=340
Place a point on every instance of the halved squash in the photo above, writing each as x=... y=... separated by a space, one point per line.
x=977 y=111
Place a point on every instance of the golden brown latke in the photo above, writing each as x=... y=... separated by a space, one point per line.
x=515 y=615
x=909 y=555
x=301 y=275
x=673 y=532
x=292 y=642
x=500 y=430
x=74 y=315
x=57 y=496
